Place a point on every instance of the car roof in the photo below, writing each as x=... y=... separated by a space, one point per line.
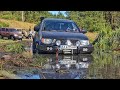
x=57 y=19
x=7 y=28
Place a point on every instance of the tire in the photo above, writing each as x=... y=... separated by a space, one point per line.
x=1 y=37
x=34 y=49
x=20 y=39
x=12 y=37
x=9 y=37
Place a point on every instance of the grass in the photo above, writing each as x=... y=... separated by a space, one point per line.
x=15 y=48
x=91 y=36
x=8 y=75
x=8 y=41
x=27 y=54
x=108 y=40
x=10 y=45
x=2 y=41
x=18 y=24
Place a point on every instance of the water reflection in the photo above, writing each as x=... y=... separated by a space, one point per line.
x=27 y=73
x=105 y=66
x=61 y=67
x=66 y=66
x=82 y=66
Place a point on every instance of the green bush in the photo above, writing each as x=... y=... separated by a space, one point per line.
x=2 y=24
x=108 y=40
x=7 y=16
x=15 y=48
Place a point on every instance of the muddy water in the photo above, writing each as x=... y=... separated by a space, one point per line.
x=83 y=66
x=63 y=67
x=96 y=66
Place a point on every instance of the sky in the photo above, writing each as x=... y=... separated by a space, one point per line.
x=56 y=12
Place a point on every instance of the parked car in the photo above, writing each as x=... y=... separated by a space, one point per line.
x=10 y=33
x=60 y=35
x=19 y=30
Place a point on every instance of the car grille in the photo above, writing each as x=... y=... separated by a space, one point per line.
x=63 y=41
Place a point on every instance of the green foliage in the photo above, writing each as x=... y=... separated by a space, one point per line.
x=7 y=16
x=15 y=48
x=105 y=66
x=108 y=40
x=2 y=24
x=29 y=16
x=39 y=60
x=103 y=22
x=89 y=20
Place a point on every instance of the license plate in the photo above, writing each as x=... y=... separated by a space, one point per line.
x=67 y=47
x=83 y=65
x=67 y=62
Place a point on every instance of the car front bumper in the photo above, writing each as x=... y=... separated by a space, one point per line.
x=18 y=37
x=80 y=50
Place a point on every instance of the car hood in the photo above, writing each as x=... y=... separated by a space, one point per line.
x=18 y=33
x=63 y=35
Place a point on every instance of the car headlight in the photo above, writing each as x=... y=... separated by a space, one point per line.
x=46 y=41
x=15 y=35
x=58 y=42
x=84 y=42
x=57 y=66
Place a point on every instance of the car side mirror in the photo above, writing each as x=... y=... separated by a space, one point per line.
x=83 y=31
x=36 y=28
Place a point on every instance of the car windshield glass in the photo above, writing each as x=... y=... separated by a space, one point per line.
x=18 y=29
x=60 y=26
x=13 y=30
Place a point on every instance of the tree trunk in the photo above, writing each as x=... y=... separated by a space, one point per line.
x=22 y=16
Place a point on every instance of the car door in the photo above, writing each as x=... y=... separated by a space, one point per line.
x=7 y=32
x=3 y=32
x=0 y=30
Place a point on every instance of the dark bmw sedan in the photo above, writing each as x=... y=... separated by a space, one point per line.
x=62 y=36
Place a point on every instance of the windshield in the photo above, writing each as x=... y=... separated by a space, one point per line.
x=18 y=29
x=13 y=30
x=60 y=26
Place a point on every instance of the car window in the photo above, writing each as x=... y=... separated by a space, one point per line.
x=6 y=30
x=60 y=26
x=3 y=29
x=13 y=30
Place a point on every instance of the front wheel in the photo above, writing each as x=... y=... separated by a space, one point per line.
x=1 y=37
x=12 y=37
x=20 y=39
x=34 y=47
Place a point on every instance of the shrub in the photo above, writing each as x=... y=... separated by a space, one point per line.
x=27 y=54
x=7 y=16
x=2 y=24
x=108 y=40
x=15 y=48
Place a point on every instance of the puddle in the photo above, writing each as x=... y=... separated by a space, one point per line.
x=67 y=67
x=54 y=69
x=82 y=66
